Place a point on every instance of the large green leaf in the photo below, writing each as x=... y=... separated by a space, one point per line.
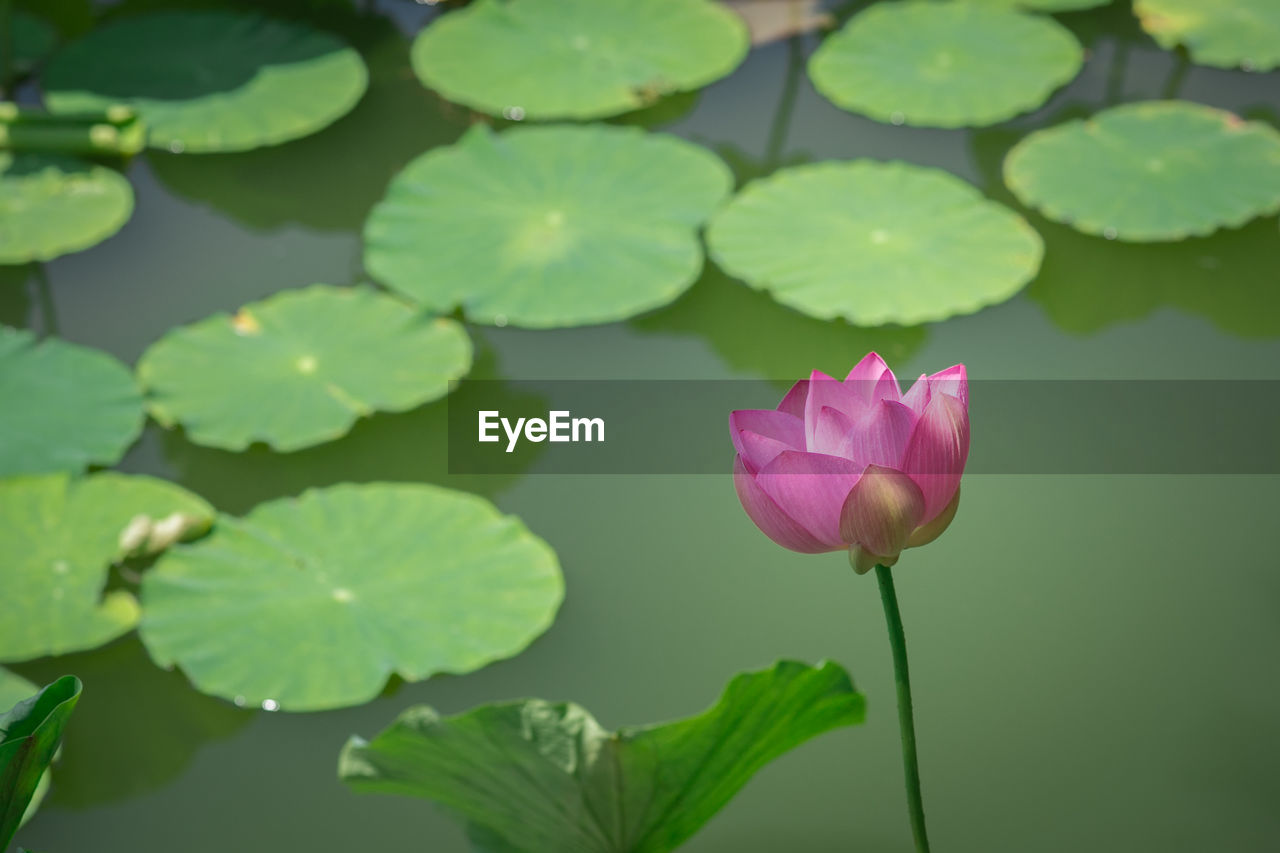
x=944 y=64
x=1159 y=170
x=312 y=602
x=1225 y=33
x=549 y=59
x=210 y=81
x=58 y=537
x=63 y=407
x=316 y=182
x=547 y=226
x=874 y=242
x=51 y=205
x=14 y=689
x=301 y=367
x=544 y=777
x=30 y=733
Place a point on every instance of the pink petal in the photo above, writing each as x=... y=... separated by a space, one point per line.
x=757 y=451
x=794 y=400
x=881 y=511
x=937 y=452
x=811 y=488
x=831 y=430
x=953 y=381
x=918 y=395
x=880 y=436
x=769 y=517
x=828 y=392
x=870 y=369
x=788 y=429
x=872 y=379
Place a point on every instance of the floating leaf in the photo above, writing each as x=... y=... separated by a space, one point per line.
x=65 y=407
x=576 y=58
x=58 y=537
x=874 y=242
x=32 y=39
x=547 y=226
x=773 y=20
x=51 y=205
x=944 y=64
x=300 y=367
x=210 y=81
x=30 y=733
x=311 y=603
x=316 y=182
x=1159 y=170
x=1223 y=33
x=543 y=777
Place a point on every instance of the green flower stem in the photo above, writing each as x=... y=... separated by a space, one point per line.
x=906 y=719
x=115 y=131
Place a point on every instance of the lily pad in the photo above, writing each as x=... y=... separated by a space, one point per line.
x=313 y=602
x=210 y=80
x=577 y=59
x=1223 y=33
x=58 y=537
x=874 y=242
x=65 y=407
x=32 y=39
x=316 y=182
x=539 y=776
x=1159 y=170
x=547 y=226
x=51 y=205
x=944 y=64
x=300 y=367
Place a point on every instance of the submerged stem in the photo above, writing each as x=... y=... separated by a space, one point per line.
x=781 y=126
x=906 y=718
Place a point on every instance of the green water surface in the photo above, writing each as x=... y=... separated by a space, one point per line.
x=1094 y=657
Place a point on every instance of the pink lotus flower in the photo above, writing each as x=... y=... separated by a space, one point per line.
x=855 y=464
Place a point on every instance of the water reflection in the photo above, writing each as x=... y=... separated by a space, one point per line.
x=136 y=727
x=330 y=180
x=757 y=336
x=405 y=447
x=15 y=304
x=1088 y=283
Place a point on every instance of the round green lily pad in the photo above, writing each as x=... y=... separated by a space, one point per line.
x=63 y=407
x=554 y=59
x=874 y=242
x=32 y=39
x=547 y=226
x=51 y=205
x=212 y=80
x=301 y=367
x=1224 y=33
x=1158 y=170
x=58 y=537
x=313 y=602
x=944 y=64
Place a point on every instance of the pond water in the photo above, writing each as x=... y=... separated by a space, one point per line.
x=1094 y=655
